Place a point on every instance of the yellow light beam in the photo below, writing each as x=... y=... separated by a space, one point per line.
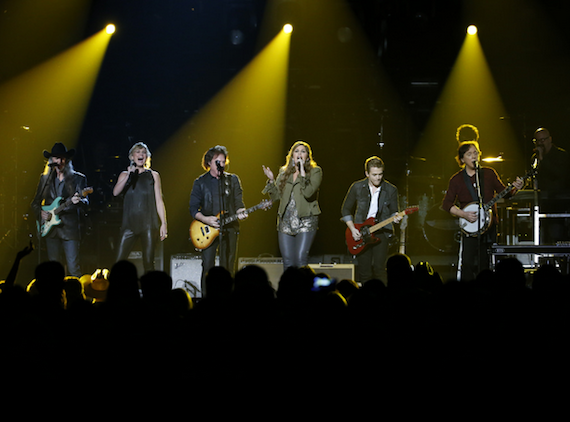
x=469 y=96
x=247 y=116
x=44 y=105
x=52 y=98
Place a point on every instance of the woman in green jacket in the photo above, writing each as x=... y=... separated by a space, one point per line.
x=297 y=186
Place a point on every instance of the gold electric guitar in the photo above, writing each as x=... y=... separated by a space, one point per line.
x=202 y=235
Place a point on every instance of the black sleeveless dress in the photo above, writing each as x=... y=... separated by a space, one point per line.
x=139 y=204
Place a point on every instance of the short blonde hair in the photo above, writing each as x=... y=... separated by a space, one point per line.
x=138 y=146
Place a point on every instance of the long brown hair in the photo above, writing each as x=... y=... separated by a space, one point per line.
x=289 y=167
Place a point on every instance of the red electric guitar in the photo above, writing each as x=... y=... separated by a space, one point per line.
x=367 y=229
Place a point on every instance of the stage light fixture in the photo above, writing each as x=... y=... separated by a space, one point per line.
x=471 y=29
x=110 y=29
x=287 y=28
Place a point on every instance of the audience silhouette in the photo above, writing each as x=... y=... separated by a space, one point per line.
x=412 y=321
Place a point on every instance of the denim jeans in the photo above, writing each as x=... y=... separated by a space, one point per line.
x=227 y=253
x=70 y=248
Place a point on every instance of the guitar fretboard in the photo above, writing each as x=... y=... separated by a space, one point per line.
x=505 y=191
x=249 y=210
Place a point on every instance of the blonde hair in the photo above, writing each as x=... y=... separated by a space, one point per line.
x=310 y=163
x=289 y=167
x=138 y=146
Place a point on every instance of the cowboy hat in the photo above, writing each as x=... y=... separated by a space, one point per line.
x=59 y=150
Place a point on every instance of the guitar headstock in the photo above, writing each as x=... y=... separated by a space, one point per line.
x=87 y=191
x=413 y=209
x=266 y=204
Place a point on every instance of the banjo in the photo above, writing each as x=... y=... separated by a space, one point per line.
x=481 y=225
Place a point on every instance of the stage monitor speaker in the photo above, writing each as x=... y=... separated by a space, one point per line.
x=186 y=273
x=336 y=271
x=274 y=268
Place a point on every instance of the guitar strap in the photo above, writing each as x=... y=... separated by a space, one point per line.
x=470 y=187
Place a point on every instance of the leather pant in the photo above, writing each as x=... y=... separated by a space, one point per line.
x=148 y=242
x=295 y=249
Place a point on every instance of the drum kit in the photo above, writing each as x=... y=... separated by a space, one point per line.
x=439 y=229
x=432 y=225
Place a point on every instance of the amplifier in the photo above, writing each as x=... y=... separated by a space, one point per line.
x=335 y=271
x=274 y=268
x=186 y=273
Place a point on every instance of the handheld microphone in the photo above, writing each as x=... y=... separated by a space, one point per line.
x=299 y=165
x=136 y=170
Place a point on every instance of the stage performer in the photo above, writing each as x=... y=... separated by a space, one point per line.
x=61 y=185
x=144 y=211
x=297 y=187
x=374 y=197
x=553 y=165
x=463 y=190
x=213 y=192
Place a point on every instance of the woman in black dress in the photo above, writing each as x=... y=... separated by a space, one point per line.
x=144 y=213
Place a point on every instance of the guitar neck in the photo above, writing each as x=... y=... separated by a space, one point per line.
x=504 y=192
x=62 y=206
x=68 y=202
x=386 y=222
x=498 y=196
x=235 y=216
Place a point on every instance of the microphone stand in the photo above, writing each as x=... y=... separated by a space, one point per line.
x=535 y=207
x=221 y=184
x=479 y=211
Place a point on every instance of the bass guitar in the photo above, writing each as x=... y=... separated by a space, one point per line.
x=54 y=209
x=202 y=235
x=367 y=229
x=481 y=225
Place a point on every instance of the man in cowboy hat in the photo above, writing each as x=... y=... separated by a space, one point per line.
x=60 y=195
